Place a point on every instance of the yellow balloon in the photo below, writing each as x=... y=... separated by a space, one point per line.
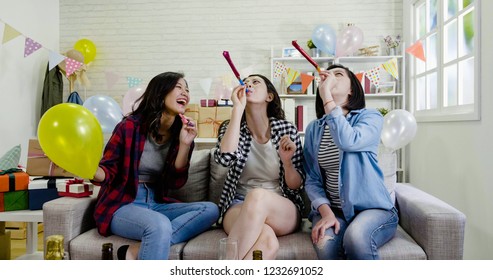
x=87 y=48
x=71 y=137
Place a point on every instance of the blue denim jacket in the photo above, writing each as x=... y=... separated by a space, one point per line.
x=361 y=183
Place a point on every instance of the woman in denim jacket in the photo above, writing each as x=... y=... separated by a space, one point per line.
x=352 y=212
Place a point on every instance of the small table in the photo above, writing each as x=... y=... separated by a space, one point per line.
x=32 y=217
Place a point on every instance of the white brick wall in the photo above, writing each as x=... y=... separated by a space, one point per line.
x=142 y=38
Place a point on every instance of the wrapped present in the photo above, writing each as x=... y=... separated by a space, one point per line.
x=210 y=118
x=208 y=102
x=224 y=102
x=15 y=181
x=192 y=111
x=44 y=182
x=38 y=197
x=75 y=188
x=13 y=201
x=38 y=164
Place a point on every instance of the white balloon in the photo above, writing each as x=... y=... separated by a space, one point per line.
x=399 y=128
x=106 y=110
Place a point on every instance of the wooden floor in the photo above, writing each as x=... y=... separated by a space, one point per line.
x=18 y=247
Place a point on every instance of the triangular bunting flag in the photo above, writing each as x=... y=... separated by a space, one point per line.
x=111 y=79
x=306 y=80
x=133 y=82
x=391 y=67
x=417 y=50
x=279 y=69
x=9 y=33
x=373 y=75
x=71 y=65
x=31 y=46
x=360 y=76
x=54 y=59
x=292 y=75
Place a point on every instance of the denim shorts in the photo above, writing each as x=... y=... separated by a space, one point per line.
x=237 y=200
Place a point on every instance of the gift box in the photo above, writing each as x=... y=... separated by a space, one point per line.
x=210 y=118
x=225 y=102
x=16 y=181
x=38 y=197
x=208 y=102
x=192 y=111
x=13 y=201
x=45 y=182
x=38 y=164
x=75 y=188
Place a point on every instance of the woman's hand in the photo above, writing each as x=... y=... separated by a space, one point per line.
x=327 y=83
x=327 y=221
x=238 y=96
x=287 y=148
x=188 y=132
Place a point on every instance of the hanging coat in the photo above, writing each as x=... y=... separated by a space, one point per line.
x=52 y=89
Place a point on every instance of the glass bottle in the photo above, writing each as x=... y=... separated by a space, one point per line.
x=54 y=247
x=257 y=254
x=107 y=251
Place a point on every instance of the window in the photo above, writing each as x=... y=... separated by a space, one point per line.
x=446 y=86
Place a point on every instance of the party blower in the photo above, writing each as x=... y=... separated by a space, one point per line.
x=230 y=62
x=302 y=51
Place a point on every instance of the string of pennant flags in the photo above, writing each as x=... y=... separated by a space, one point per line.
x=55 y=58
x=373 y=74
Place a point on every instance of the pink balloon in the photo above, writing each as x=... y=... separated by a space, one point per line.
x=130 y=98
x=349 y=40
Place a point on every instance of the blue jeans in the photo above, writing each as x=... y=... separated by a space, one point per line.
x=360 y=238
x=160 y=225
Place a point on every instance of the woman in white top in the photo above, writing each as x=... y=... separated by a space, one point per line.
x=261 y=197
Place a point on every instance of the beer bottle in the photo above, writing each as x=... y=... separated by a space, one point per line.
x=107 y=251
x=257 y=254
x=54 y=247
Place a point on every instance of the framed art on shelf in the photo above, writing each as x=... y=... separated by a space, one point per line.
x=386 y=87
x=290 y=52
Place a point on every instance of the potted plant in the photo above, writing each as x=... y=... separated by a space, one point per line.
x=392 y=44
x=313 y=48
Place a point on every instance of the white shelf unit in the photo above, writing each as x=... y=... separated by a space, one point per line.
x=356 y=64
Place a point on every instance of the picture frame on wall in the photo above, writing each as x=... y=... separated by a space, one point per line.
x=290 y=52
x=386 y=87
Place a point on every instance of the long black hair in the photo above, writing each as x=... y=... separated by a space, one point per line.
x=356 y=100
x=151 y=105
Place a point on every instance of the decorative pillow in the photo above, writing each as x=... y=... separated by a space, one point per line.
x=197 y=185
x=11 y=158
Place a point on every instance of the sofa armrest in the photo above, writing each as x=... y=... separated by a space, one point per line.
x=69 y=217
x=435 y=225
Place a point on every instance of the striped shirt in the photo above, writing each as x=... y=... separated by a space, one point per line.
x=328 y=158
x=236 y=161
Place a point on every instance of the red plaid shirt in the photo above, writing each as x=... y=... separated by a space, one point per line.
x=120 y=163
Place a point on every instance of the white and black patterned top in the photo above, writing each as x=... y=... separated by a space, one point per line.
x=328 y=158
x=236 y=161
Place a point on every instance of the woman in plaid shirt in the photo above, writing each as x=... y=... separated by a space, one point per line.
x=149 y=153
x=261 y=197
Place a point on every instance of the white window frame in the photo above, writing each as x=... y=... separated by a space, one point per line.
x=468 y=112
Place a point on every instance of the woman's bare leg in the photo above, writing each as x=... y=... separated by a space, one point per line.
x=246 y=221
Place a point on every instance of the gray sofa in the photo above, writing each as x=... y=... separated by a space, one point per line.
x=428 y=227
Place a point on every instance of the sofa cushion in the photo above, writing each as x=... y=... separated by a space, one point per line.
x=87 y=246
x=197 y=186
x=217 y=178
x=295 y=246
x=387 y=161
x=401 y=247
